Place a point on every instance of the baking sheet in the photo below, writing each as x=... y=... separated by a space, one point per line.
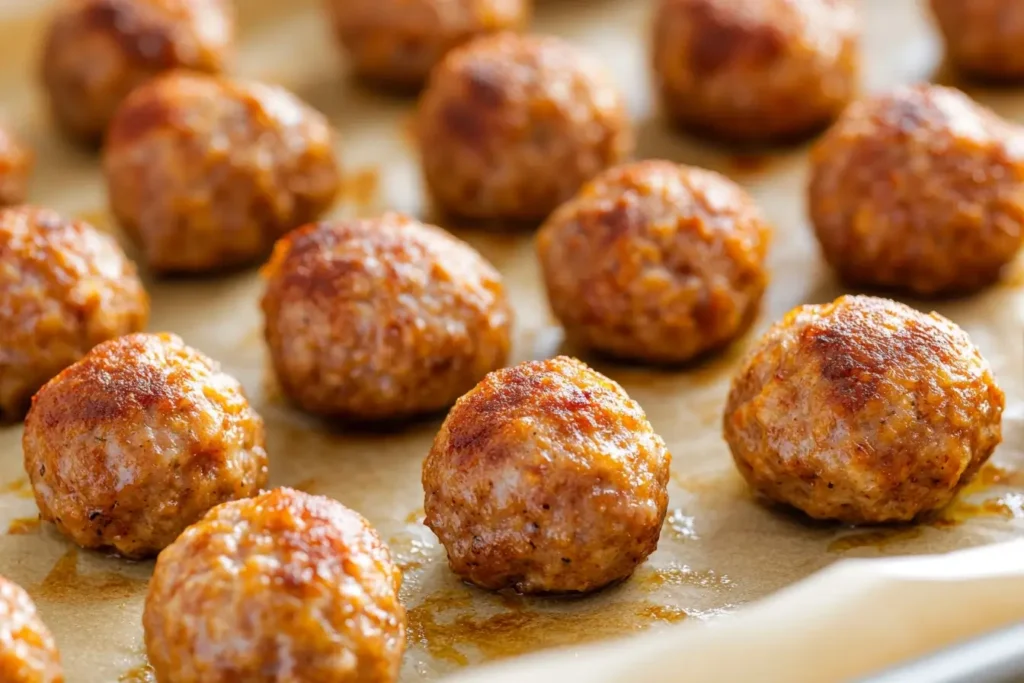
x=720 y=549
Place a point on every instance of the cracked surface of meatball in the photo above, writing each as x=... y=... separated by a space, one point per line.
x=386 y=318
x=398 y=42
x=64 y=287
x=16 y=164
x=546 y=478
x=863 y=411
x=656 y=262
x=984 y=38
x=285 y=586
x=138 y=440
x=206 y=173
x=756 y=70
x=919 y=189
x=98 y=51
x=28 y=653
x=511 y=126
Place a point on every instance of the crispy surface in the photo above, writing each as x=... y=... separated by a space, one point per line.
x=16 y=163
x=98 y=51
x=863 y=411
x=983 y=38
x=28 y=653
x=398 y=42
x=511 y=126
x=382 y=318
x=207 y=172
x=654 y=261
x=546 y=478
x=64 y=287
x=919 y=189
x=138 y=440
x=282 y=588
x=755 y=70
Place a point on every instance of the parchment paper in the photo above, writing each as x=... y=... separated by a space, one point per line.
x=720 y=549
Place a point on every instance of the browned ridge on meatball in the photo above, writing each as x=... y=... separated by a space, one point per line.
x=28 y=653
x=919 y=189
x=546 y=478
x=285 y=586
x=383 y=318
x=16 y=164
x=654 y=261
x=98 y=51
x=756 y=70
x=863 y=411
x=511 y=126
x=136 y=441
x=398 y=42
x=64 y=287
x=205 y=172
x=984 y=38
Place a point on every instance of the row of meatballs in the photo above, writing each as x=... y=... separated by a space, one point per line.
x=919 y=189
x=545 y=478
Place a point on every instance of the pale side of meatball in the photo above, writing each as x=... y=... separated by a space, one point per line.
x=137 y=441
x=863 y=411
x=655 y=262
x=984 y=38
x=28 y=653
x=921 y=190
x=511 y=126
x=282 y=587
x=97 y=51
x=205 y=173
x=64 y=288
x=16 y=164
x=756 y=70
x=382 y=318
x=546 y=478
x=398 y=42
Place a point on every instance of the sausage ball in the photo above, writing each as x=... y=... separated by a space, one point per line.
x=398 y=42
x=16 y=162
x=383 y=318
x=64 y=288
x=546 y=478
x=863 y=411
x=282 y=587
x=98 y=51
x=756 y=70
x=28 y=653
x=205 y=173
x=130 y=445
x=656 y=262
x=511 y=126
x=920 y=190
x=984 y=38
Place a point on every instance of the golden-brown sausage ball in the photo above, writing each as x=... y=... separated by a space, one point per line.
x=137 y=440
x=282 y=587
x=382 y=318
x=756 y=70
x=511 y=126
x=919 y=189
x=546 y=478
x=398 y=42
x=98 y=51
x=16 y=162
x=28 y=653
x=984 y=38
x=64 y=287
x=656 y=262
x=207 y=172
x=863 y=411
